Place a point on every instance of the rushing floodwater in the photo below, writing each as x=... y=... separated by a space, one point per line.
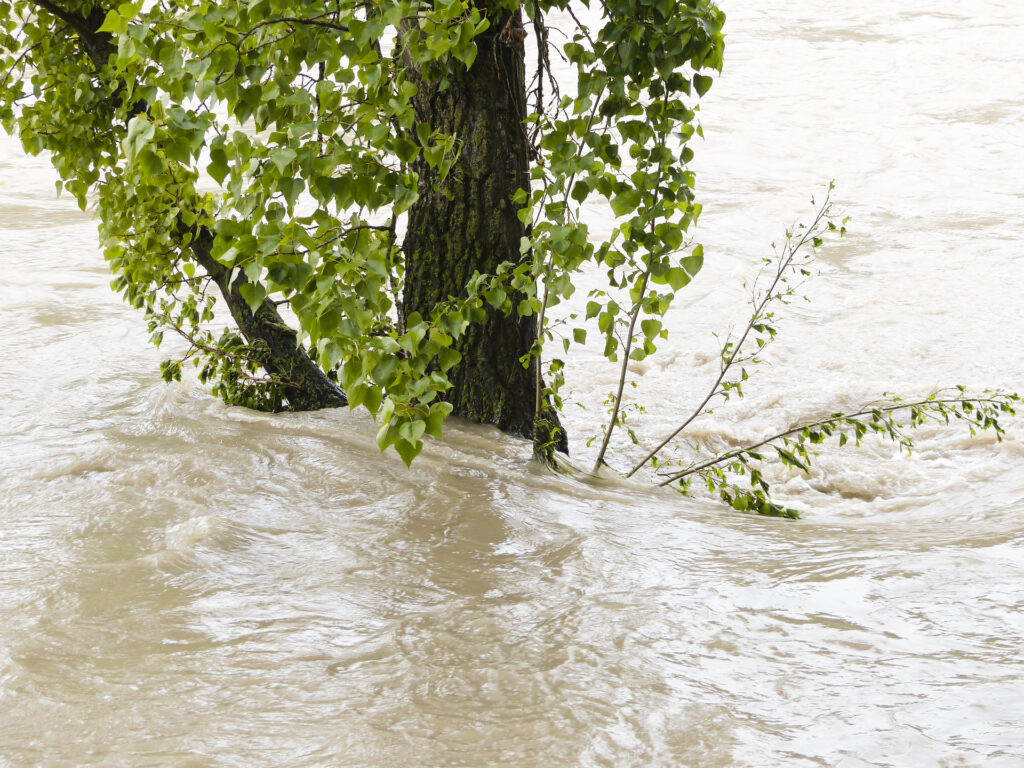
x=185 y=584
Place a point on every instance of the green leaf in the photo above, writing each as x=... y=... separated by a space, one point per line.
x=626 y=202
x=423 y=133
x=650 y=328
x=149 y=162
x=677 y=278
x=405 y=149
x=695 y=262
x=467 y=54
x=113 y=23
x=218 y=167
x=355 y=394
x=282 y=158
x=404 y=198
x=702 y=83
x=789 y=459
x=448 y=357
x=387 y=434
x=385 y=371
x=330 y=356
x=435 y=418
x=412 y=431
x=291 y=188
x=140 y=131
x=253 y=293
x=372 y=399
x=407 y=450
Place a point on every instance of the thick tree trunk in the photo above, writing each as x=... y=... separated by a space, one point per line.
x=468 y=222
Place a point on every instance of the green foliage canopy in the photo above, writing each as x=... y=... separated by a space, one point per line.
x=284 y=134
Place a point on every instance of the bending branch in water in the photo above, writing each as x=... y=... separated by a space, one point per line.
x=733 y=354
x=980 y=412
x=307 y=388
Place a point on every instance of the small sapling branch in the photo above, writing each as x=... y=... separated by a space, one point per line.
x=890 y=419
x=791 y=258
x=627 y=345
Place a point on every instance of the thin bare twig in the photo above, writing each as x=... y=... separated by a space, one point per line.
x=758 y=315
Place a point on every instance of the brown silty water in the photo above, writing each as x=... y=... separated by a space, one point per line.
x=186 y=584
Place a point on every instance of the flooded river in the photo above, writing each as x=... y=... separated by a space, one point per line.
x=186 y=584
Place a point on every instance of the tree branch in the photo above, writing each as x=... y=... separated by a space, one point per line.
x=840 y=418
x=758 y=315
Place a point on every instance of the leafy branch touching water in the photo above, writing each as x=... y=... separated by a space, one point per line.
x=791 y=260
x=736 y=475
x=890 y=419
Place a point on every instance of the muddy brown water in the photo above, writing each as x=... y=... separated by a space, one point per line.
x=185 y=584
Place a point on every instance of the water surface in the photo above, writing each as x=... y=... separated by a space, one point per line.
x=186 y=584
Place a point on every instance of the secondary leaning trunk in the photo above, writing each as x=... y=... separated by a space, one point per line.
x=468 y=222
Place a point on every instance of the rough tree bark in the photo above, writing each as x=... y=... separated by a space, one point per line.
x=468 y=222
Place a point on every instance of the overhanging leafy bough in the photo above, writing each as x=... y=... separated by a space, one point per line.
x=890 y=418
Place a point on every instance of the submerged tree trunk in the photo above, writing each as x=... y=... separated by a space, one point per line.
x=468 y=222
x=307 y=387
